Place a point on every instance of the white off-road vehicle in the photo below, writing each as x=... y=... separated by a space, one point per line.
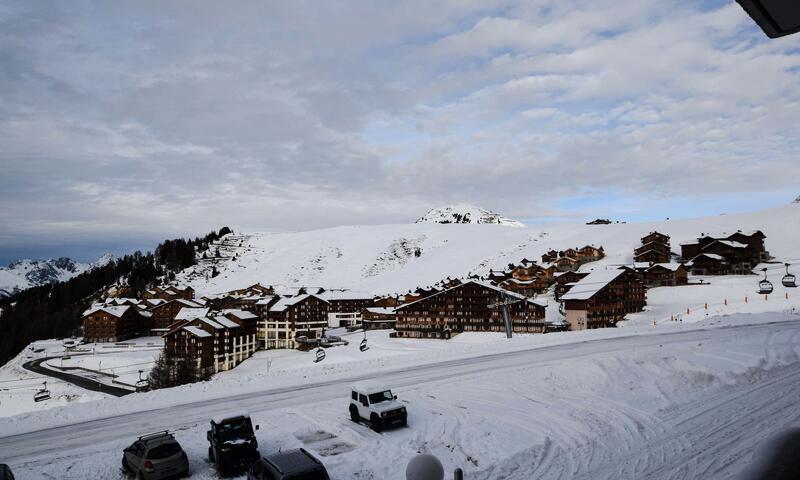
x=378 y=405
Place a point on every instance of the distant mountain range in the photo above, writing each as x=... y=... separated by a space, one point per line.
x=465 y=213
x=24 y=274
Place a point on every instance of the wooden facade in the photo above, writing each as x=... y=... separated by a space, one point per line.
x=300 y=316
x=376 y=318
x=655 y=248
x=603 y=298
x=465 y=308
x=169 y=293
x=564 y=282
x=115 y=323
x=165 y=313
x=666 y=275
x=740 y=252
x=710 y=264
x=193 y=344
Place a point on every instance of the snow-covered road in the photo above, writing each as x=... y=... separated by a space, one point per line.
x=684 y=404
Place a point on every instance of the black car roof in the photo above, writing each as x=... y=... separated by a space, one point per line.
x=292 y=461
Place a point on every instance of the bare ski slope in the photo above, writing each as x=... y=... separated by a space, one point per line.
x=688 y=403
x=396 y=258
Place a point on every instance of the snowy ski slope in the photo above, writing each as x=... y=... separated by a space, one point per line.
x=382 y=259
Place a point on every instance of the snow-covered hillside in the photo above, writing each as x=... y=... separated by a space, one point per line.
x=464 y=213
x=396 y=258
x=24 y=274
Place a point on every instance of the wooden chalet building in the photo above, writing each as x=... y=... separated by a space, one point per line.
x=655 y=249
x=303 y=315
x=550 y=256
x=378 y=318
x=710 y=264
x=666 y=275
x=388 y=301
x=191 y=343
x=740 y=252
x=169 y=293
x=345 y=307
x=245 y=341
x=589 y=253
x=115 y=323
x=603 y=298
x=465 y=308
x=565 y=281
x=164 y=314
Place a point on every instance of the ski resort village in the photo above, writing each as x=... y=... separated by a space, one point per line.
x=599 y=338
x=460 y=240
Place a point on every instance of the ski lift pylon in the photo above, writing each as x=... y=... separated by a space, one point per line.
x=42 y=395
x=765 y=286
x=789 y=280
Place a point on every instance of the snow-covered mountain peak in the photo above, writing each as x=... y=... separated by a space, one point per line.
x=104 y=260
x=466 y=213
x=26 y=273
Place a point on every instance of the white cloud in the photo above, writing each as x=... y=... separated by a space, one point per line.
x=148 y=117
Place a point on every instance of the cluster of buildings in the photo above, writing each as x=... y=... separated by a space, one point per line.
x=219 y=332
x=735 y=254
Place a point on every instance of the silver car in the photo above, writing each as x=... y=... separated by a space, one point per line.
x=155 y=456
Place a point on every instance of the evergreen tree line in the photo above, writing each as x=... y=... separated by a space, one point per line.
x=54 y=310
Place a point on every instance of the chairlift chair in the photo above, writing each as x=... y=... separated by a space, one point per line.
x=363 y=346
x=320 y=355
x=789 y=280
x=42 y=395
x=765 y=286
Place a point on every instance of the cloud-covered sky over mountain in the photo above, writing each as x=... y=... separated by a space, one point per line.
x=125 y=122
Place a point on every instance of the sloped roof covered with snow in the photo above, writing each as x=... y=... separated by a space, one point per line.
x=483 y=284
x=240 y=314
x=286 y=302
x=211 y=323
x=673 y=267
x=187 y=313
x=197 y=331
x=713 y=256
x=588 y=286
x=117 y=311
x=381 y=310
x=333 y=295
x=225 y=322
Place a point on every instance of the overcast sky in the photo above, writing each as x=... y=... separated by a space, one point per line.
x=122 y=123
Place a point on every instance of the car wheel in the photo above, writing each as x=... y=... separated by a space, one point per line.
x=354 y=414
x=375 y=423
x=125 y=467
x=210 y=455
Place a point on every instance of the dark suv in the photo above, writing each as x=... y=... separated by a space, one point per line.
x=155 y=457
x=288 y=465
x=233 y=445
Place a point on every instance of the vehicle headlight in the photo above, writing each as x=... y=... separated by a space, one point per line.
x=383 y=414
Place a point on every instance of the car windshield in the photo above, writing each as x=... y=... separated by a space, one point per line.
x=230 y=431
x=384 y=396
x=163 y=451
